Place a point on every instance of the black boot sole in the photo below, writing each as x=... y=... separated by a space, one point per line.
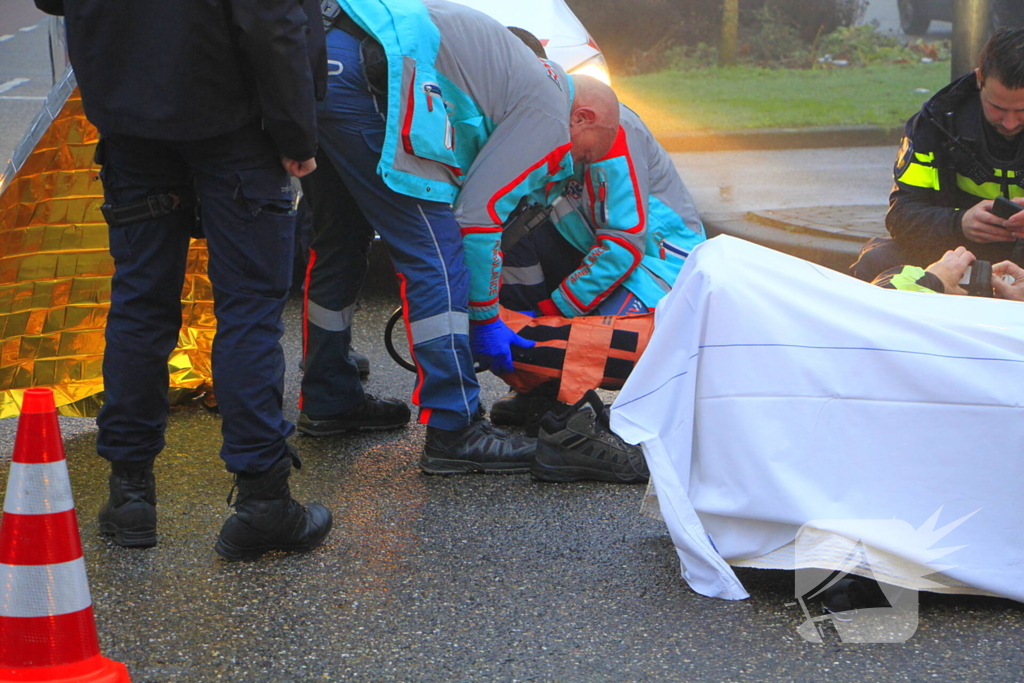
x=334 y=427
x=444 y=466
x=229 y=551
x=129 y=538
x=563 y=474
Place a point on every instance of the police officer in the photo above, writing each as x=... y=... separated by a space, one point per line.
x=208 y=105
x=959 y=153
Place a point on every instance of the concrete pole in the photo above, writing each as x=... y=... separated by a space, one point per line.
x=972 y=26
x=730 y=29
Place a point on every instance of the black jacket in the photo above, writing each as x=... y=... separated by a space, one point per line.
x=194 y=69
x=945 y=167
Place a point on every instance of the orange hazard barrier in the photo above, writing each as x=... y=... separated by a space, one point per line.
x=587 y=352
x=47 y=630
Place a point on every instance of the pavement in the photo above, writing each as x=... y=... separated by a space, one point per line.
x=495 y=578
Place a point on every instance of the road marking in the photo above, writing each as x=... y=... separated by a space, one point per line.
x=26 y=29
x=11 y=84
x=6 y=37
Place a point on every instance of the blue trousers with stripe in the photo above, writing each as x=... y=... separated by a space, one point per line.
x=425 y=246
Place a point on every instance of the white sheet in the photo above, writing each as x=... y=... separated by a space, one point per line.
x=775 y=392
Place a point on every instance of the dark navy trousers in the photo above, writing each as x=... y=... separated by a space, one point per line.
x=248 y=217
x=425 y=246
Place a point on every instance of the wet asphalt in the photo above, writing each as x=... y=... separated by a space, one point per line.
x=468 y=578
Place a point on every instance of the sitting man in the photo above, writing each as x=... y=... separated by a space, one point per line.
x=960 y=152
x=611 y=244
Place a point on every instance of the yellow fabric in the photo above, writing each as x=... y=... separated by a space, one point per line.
x=920 y=175
x=55 y=271
x=906 y=280
x=987 y=190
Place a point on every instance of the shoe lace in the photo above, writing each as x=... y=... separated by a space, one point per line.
x=602 y=426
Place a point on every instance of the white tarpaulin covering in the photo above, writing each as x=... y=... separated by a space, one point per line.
x=775 y=392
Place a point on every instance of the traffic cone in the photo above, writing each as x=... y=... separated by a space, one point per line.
x=47 y=631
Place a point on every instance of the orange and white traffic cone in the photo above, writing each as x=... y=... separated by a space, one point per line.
x=47 y=630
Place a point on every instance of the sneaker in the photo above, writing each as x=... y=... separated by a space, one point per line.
x=129 y=514
x=578 y=444
x=478 y=447
x=373 y=414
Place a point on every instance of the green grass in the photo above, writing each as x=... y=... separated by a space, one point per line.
x=743 y=97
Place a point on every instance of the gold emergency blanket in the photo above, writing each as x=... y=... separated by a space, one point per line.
x=55 y=271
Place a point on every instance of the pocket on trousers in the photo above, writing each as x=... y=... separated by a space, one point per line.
x=267 y=242
x=266 y=189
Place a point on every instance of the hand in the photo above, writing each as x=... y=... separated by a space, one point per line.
x=492 y=344
x=978 y=225
x=298 y=169
x=1015 y=223
x=1005 y=290
x=950 y=268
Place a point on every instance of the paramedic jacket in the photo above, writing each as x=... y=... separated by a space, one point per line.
x=191 y=70
x=633 y=218
x=474 y=119
x=946 y=165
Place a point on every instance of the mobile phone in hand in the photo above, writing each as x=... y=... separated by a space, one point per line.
x=1004 y=208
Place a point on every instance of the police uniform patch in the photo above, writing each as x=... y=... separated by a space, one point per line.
x=903 y=157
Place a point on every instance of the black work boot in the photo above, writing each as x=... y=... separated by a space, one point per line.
x=130 y=513
x=478 y=447
x=268 y=518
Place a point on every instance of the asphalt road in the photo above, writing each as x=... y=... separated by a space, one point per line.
x=477 y=578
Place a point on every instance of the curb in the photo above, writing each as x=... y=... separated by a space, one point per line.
x=781 y=138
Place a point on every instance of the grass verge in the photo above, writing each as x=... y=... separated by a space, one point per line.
x=743 y=97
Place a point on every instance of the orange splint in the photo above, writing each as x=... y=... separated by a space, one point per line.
x=587 y=352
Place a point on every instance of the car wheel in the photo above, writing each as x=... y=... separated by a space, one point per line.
x=914 y=16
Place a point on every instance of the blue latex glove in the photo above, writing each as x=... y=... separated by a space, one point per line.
x=492 y=344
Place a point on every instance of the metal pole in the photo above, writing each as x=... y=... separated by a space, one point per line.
x=972 y=25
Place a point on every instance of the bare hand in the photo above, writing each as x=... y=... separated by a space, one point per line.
x=1006 y=290
x=1015 y=223
x=980 y=226
x=298 y=168
x=950 y=269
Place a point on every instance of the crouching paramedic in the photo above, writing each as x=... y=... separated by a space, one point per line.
x=611 y=244
x=437 y=119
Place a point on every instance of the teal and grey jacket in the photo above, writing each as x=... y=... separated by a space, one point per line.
x=474 y=119
x=632 y=216
x=949 y=160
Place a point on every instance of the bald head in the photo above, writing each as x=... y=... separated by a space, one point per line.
x=594 y=119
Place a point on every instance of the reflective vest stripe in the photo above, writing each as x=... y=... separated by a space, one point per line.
x=38 y=488
x=43 y=590
x=440 y=325
x=986 y=190
x=522 y=275
x=920 y=175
